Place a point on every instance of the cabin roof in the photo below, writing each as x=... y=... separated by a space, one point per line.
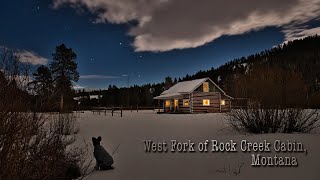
x=167 y=96
x=184 y=87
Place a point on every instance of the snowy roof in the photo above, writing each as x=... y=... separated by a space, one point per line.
x=184 y=87
x=166 y=96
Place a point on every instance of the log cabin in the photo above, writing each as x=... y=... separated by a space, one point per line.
x=196 y=96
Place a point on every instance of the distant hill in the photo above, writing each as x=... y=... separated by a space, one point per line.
x=302 y=56
x=298 y=55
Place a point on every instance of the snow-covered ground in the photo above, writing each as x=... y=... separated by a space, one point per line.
x=132 y=162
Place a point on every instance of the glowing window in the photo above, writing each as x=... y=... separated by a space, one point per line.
x=205 y=87
x=168 y=103
x=176 y=103
x=186 y=102
x=223 y=102
x=206 y=102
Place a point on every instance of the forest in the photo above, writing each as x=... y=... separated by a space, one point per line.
x=288 y=74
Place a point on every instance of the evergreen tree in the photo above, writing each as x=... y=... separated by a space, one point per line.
x=64 y=71
x=43 y=81
x=43 y=87
x=168 y=82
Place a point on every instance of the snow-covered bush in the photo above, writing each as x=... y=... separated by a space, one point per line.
x=276 y=120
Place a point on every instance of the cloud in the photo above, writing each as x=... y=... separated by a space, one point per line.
x=299 y=33
x=25 y=56
x=97 y=77
x=165 y=25
x=115 y=11
x=30 y=57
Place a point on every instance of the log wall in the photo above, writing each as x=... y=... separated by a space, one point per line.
x=214 y=97
x=197 y=99
x=184 y=109
x=227 y=106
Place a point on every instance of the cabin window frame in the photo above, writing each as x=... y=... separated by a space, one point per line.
x=184 y=101
x=205 y=102
x=168 y=103
x=223 y=102
x=205 y=84
x=176 y=103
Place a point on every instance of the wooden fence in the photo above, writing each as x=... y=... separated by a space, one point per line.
x=119 y=110
x=105 y=110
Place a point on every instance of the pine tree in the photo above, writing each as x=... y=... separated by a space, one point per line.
x=168 y=82
x=43 y=81
x=64 y=71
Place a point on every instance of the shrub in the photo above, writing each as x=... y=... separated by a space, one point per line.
x=64 y=124
x=32 y=146
x=29 y=149
x=276 y=120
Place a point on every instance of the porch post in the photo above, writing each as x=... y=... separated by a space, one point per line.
x=164 y=106
x=219 y=102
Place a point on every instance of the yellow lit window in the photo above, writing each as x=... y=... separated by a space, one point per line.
x=176 y=103
x=206 y=102
x=205 y=87
x=223 y=102
x=168 y=103
x=186 y=102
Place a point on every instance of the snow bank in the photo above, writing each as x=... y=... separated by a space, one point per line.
x=131 y=162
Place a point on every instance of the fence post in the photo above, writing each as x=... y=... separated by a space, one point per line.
x=121 y=111
x=131 y=108
x=137 y=108
x=105 y=111
x=112 y=111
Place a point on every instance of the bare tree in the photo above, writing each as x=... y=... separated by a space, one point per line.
x=31 y=146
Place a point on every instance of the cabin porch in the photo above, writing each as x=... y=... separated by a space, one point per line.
x=173 y=105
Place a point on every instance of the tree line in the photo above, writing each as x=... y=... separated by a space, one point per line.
x=289 y=73
x=292 y=68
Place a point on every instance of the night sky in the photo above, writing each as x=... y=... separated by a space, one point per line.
x=149 y=40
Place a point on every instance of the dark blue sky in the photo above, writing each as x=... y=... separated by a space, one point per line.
x=105 y=50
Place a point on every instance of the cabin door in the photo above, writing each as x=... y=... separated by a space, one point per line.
x=176 y=104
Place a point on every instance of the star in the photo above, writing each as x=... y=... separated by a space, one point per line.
x=36 y=8
x=67 y=28
x=120 y=44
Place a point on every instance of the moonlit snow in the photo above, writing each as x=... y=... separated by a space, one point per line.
x=132 y=162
